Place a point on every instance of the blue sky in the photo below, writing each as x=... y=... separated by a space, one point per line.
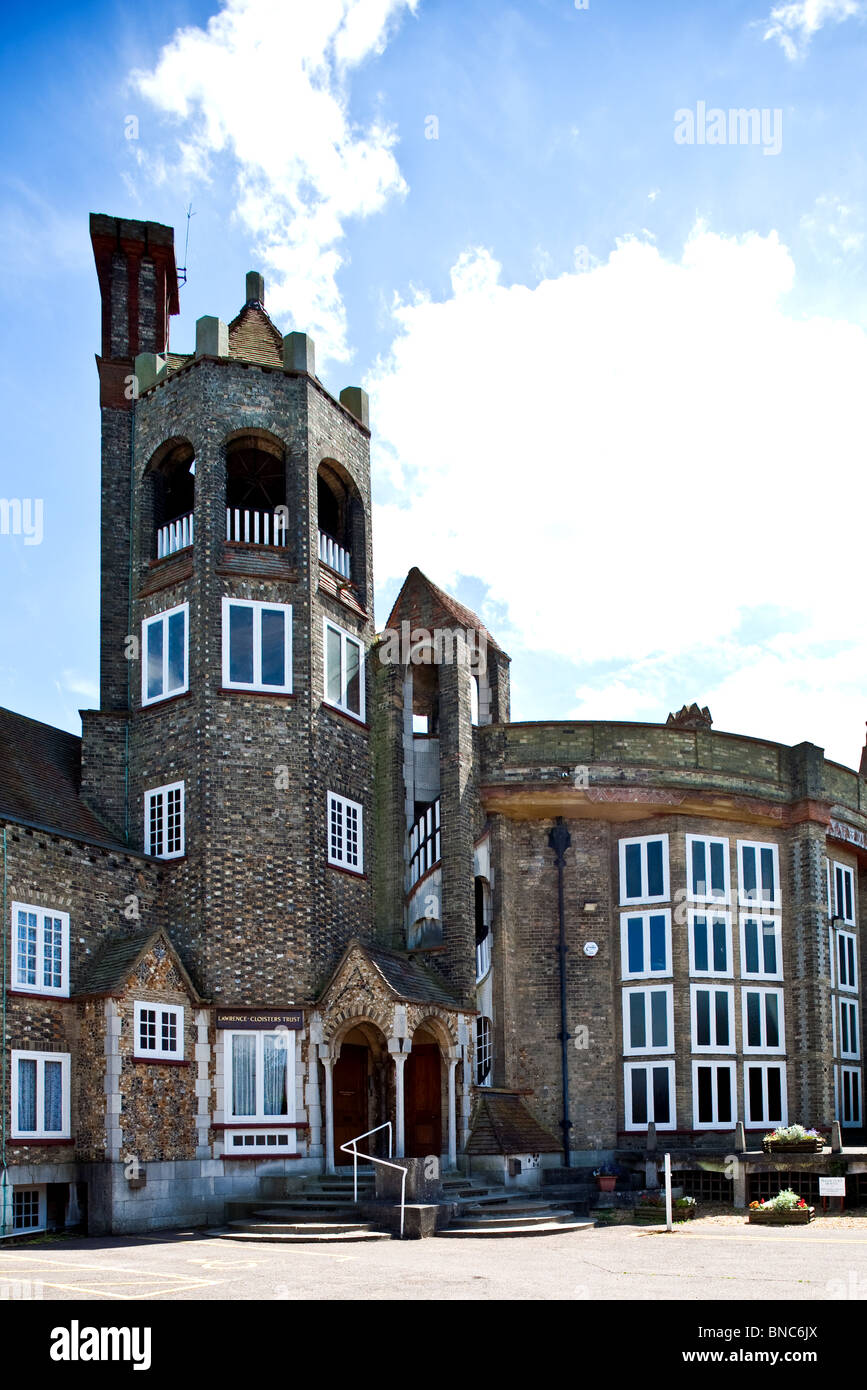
x=616 y=381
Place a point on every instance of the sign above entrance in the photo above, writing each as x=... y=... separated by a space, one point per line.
x=260 y=1018
x=839 y=830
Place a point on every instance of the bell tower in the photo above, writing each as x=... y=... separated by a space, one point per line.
x=232 y=738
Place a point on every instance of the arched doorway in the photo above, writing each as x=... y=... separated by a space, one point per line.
x=423 y=1104
x=362 y=1089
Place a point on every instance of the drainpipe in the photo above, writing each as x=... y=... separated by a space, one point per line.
x=559 y=841
x=4 y=1059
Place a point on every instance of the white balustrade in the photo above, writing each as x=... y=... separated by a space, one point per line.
x=333 y=555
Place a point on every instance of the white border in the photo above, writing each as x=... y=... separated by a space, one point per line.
x=258 y=606
x=708 y=986
x=716 y=1122
x=645 y=897
x=40 y=1059
x=710 y=913
x=362 y=670
x=759 y=905
x=624 y=944
x=158 y=1054
x=750 y=1123
x=357 y=806
x=647 y=1064
x=778 y=934
x=160 y=791
x=763 y=1048
x=151 y=622
x=17 y=987
x=709 y=840
x=649 y=1050
x=288 y=1035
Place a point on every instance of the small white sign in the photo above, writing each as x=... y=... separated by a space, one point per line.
x=832 y=1187
x=590 y=948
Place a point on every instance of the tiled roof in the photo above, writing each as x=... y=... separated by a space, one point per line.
x=424 y=604
x=409 y=978
x=111 y=968
x=40 y=777
x=253 y=338
x=337 y=588
x=502 y=1124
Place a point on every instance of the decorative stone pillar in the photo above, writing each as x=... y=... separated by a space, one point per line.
x=314 y=1094
x=328 y=1063
x=454 y=1056
x=399 y=1049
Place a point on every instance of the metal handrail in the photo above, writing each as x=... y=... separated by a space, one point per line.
x=350 y=1147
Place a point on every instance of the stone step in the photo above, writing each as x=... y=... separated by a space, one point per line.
x=506 y=1205
x=288 y=1228
x=525 y=1219
x=547 y=1228
x=305 y=1237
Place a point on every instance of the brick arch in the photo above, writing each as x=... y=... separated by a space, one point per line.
x=268 y=435
x=167 y=490
x=440 y=1024
x=337 y=1026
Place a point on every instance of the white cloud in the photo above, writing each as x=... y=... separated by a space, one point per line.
x=793 y=25
x=633 y=458
x=266 y=84
x=833 y=228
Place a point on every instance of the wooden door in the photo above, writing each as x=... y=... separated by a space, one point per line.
x=423 y=1101
x=350 y=1099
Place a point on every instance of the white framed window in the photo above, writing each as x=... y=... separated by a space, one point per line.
x=647 y=1020
x=165 y=665
x=644 y=870
x=847 y=1087
x=848 y=1034
x=242 y=1143
x=759 y=874
x=344 y=670
x=164 y=821
x=765 y=1101
x=707 y=869
x=345 y=836
x=761 y=948
x=40 y=951
x=645 y=944
x=257 y=645
x=159 y=1031
x=28 y=1209
x=710 y=942
x=712 y=1011
x=260 y=1074
x=762 y=1018
x=844 y=956
x=843 y=880
x=484 y=1051
x=713 y=1095
x=40 y=1095
x=648 y=1089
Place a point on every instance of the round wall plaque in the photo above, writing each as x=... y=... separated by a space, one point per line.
x=590 y=948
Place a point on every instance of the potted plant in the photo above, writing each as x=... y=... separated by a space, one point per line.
x=606 y=1176
x=683 y=1208
x=793 y=1139
x=786 y=1209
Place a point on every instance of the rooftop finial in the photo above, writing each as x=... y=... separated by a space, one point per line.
x=256 y=288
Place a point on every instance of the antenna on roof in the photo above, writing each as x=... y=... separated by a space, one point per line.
x=182 y=269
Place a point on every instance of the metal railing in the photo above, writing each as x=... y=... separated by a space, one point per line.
x=350 y=1147
x=333 y=555
x=176 y=535
x=256 y=528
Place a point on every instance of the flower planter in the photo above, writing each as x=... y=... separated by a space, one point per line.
x=796 y=1217
x=793 y=1146
x=607 y=1182
x=652 y=1216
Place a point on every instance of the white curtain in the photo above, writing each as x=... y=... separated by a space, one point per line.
x=243 y=1073
x=276 y=1056
x=27 y=1094
x=53 y=1100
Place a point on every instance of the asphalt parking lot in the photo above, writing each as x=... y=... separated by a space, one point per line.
x=702 y=1261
